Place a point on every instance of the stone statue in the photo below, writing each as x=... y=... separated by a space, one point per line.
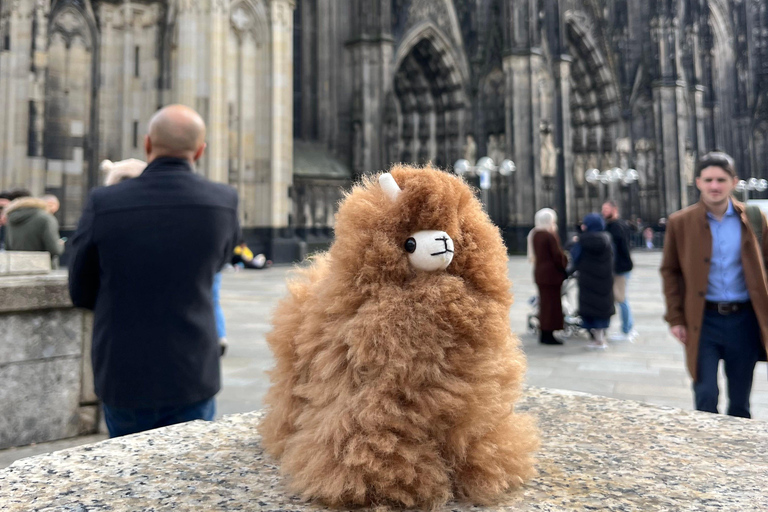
x=643 y=150
x=470 y=150
x=548 y=151
x=495 y=149
x=608 y=160
x=592 y=159
x=357 y=146
x=689 y=168
x=579 y=169
x=624 y=149
x=392 y=142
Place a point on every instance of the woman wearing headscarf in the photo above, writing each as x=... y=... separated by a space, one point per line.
x=549 y=262
x=593 y=258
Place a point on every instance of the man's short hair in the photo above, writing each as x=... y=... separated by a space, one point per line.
x=717 y=159
x=611 y=202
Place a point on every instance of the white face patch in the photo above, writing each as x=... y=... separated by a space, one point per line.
x=429 y=250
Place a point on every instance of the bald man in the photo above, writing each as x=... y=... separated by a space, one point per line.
x=145 y=254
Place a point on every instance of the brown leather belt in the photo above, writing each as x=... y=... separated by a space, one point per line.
x=726 y=308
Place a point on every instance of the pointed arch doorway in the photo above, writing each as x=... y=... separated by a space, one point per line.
x=425 y=117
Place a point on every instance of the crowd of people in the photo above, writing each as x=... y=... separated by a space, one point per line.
x=713 y=273
x=601 y=261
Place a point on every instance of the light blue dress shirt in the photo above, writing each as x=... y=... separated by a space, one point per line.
x=726 y=274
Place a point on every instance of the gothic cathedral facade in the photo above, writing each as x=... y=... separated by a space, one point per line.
x=649 y=85
x=302 y=96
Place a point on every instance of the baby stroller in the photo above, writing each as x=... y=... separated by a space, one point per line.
x=569 y=295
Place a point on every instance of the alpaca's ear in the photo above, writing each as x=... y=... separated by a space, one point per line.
x=389 y=185
x=106 y=166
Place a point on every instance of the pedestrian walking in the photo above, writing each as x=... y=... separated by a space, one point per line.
x=714 y=277
x=592 y=257
x=622 y=268
x=144 y=258
x=549 y=262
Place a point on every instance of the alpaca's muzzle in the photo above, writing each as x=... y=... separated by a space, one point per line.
x=430 y=250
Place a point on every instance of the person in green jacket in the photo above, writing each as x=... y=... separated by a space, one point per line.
x=29 y=227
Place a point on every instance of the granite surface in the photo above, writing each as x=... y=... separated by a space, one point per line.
x=597 y=454
x=46 y=385
x=39 y=401
x=34 y=335
x=24 y=293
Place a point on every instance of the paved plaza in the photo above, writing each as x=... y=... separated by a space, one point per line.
x=651 y=369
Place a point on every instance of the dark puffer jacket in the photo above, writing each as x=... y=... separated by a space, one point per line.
x=595 y=267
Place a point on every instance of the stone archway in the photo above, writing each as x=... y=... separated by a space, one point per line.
x=431 y=101
x=594 y=110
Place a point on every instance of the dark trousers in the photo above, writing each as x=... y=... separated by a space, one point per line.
x=123 y=421
x=734 y=338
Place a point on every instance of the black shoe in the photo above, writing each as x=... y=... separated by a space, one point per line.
x=550 y=340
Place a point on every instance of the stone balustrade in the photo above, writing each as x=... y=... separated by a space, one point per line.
x=46 y=383
x=597 y=454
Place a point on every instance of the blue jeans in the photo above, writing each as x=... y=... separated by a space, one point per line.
x=123 y=421
x=221 y=327
x=627 y=322
x=735 y=339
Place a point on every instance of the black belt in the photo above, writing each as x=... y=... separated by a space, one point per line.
x=726 y=308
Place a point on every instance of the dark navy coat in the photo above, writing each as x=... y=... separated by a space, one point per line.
x=145 y=253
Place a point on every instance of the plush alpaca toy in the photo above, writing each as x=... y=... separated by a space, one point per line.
x=396 y=367
x=116 y=172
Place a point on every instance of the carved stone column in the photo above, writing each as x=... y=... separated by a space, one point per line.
x=520 y=133
x=37 y=94
x=371 y=48
x=129 y=25
x=670 y=111
x=281 y=14
x=218 y=143
x=187 y=52
x=15 y=93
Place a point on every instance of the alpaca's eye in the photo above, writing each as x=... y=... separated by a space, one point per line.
x=410 y=245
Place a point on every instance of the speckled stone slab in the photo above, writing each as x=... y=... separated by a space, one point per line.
x=597 y=454
x=24 y=293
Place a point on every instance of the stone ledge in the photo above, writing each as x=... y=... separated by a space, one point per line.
x=26 y=293
x=24 y=262
x=597 y=453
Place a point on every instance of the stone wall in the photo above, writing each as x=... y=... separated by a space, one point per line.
x=46 y=385
x=596 y=454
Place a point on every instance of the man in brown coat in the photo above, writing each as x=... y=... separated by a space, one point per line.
x=714 y=278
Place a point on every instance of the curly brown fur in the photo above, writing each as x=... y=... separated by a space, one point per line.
x=394 y=386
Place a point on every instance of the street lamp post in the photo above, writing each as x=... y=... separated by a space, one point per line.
x=484 y=169
x=753 y=184
x=624 y=177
